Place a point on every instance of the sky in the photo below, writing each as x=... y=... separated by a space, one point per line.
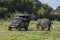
x=53 y=3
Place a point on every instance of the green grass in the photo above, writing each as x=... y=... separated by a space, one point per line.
x=32 y=34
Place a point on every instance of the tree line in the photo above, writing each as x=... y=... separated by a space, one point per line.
x=8 y=7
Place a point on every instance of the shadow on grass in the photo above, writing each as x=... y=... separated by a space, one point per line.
x=29 y=30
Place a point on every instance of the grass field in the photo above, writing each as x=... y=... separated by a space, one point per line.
x=32 y=34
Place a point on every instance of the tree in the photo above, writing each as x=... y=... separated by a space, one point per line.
x=57 y=11
x=3 y=12
x=56 y=14
x=44 y=10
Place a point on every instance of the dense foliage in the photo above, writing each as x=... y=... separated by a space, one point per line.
x=8 y=7
x=56 y=13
